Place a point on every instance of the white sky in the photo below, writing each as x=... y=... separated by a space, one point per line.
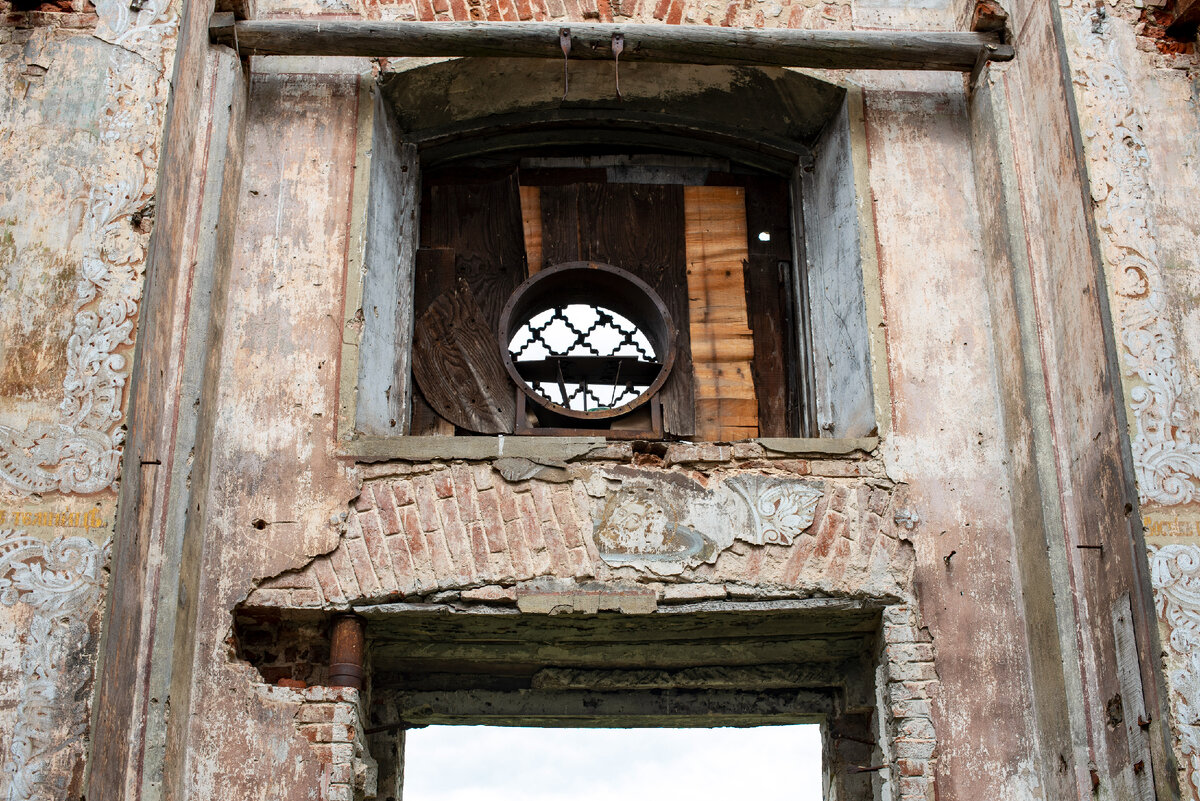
x=481 y=763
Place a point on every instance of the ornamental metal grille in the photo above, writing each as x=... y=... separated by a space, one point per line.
x=584 y=357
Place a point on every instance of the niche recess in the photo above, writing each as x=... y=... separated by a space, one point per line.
x=729 y=192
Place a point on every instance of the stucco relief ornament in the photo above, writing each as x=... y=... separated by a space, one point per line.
x=80 y=451
x=1175 y=575
x=1165 y=454
x=60 y=582
x=779 y=510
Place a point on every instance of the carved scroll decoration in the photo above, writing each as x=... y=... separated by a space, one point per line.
x=1165 y=454
x=80 y=451
x=61 y=582
x=779 y=510
x=1175 y=576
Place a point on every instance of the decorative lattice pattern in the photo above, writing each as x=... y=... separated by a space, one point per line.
x=584 y=357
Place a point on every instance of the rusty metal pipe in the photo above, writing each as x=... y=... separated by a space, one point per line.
x=347 y=643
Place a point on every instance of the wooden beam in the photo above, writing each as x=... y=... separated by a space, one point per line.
x=956 y=51
x=609 y=710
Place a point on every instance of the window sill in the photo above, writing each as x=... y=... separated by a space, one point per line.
x=425 y=449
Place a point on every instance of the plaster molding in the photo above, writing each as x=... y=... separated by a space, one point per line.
x=80 y=452
x=1166 y=455
x=1175 y=576
x=780 y=511
x=60 y=582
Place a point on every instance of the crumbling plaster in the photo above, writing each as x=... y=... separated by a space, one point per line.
x=83 y=112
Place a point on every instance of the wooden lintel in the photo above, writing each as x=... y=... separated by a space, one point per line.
x=955 y=51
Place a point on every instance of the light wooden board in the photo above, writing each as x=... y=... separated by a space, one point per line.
x=531 y=225
x=722 y=342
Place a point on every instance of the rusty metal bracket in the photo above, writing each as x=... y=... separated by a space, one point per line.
x=564 y=41
x=618 y=45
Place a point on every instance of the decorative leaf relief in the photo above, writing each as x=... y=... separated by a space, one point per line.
x=61 y=582
x=1175 y=576
x=81 y=451
x=1166 y=456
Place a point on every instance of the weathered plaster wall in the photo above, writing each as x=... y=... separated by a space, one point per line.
x=81 y=115
x=936 y=523
x=1140 y=128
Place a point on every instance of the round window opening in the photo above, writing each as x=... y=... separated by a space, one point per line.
x=587 y=340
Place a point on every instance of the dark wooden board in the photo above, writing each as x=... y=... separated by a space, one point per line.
x=639 y=228
x=457 y=365
x=482 y=224
x=768 y=305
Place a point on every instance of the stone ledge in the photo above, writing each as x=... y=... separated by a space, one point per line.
x=560 y=449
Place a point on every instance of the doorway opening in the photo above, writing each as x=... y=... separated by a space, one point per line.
x=492 y=763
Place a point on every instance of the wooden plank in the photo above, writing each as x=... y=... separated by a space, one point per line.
x=674 y=44
x=623 y=709
x=638 y=228
x=560 y=224
x=482 y=223
x=457 y=365
x=531 y=226
x=769 y=304
x=722 y=344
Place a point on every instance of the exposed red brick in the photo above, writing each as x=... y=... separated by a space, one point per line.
x=479 y=551
x=458 y=540
x=402 y=491
x=364 y=571
x=327 y=579
x=524 y=10
x=381 y=558
x=402 y=564
x=675 y=15
x=443 y=484
x=293 y=683
x=533 y=523
x=426 y=503
x=563 y=500
x=343 y=568
x=364 y=501
x=464 y=492
x=660 y=10
x=385 y=504
x=489 y=515
x=506 y=500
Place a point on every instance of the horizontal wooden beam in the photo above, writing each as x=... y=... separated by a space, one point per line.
x=957 y=51
x=609 y=710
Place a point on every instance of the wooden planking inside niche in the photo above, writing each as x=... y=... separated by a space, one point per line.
x=722 y=342
x=639 y=228
x=531 y=226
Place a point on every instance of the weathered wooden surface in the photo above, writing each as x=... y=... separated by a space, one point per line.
x=722 y=343
x=770 y=306
x=842 y=361
x=638 y=228
x=384 y=371
x=481 y=222
x=618 y=710
x=680 y=44
x=456 y=362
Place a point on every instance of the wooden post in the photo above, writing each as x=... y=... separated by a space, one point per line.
x=347 y=642
x=956 y=51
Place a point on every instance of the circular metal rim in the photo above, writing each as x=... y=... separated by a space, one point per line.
x=507 y=325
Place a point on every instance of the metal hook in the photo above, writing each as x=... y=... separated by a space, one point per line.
x=564 y=41
x=618 y=45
